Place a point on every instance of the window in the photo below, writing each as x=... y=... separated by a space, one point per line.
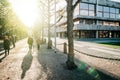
x=112 y=10
x=106 y=12
x=89 y=22
x=116 y=23
x=81 y=20
x=100 y=8
x=91 y=7
x=91 y=10
x=118 y=16
x=100 y=23
x=91 y=13
x=100 y=11
x=99 y=14
x=83 y=6
x=106 y=9
x=108 y=23
x=117 y=11
x=103 y=34
x=112 y=15
x=106 y=15
x=112 y=23
x=105 y=23
x=83 y=9
x=83 y=12
x=87 y=9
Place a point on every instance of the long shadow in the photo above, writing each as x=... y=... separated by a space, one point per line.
x=2 y=52
x=53 y=64
x=27 y=61
x=2 y=57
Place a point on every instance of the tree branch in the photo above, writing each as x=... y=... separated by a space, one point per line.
x=57 y=21
x=76 y=4
x=66 y=0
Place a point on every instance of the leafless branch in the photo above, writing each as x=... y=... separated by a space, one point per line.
x=76 y=3
x=57 y=21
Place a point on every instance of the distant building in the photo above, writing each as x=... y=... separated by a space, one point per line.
x=94 y=19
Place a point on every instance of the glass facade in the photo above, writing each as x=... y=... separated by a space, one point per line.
x=104 y=23
x=87 y=34
x=102 y=11
x=87 y=9
x=108 y=12
x=104 y=16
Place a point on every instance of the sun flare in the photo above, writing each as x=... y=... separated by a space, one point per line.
x=26 y=10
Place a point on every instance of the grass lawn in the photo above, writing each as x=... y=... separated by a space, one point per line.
x=111 y=44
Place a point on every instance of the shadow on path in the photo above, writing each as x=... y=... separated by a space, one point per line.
x=53 y=64
x=2 y=57
x=27 y=61
x=2 y=52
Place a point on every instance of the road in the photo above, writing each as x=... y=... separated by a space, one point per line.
x=103 y=58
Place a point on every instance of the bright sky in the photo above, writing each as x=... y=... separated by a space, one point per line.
x=27 y=10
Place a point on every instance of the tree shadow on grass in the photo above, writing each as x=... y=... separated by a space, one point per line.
x=53 y=64
x=27 y=61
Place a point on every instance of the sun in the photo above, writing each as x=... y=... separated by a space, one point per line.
x=26 y=10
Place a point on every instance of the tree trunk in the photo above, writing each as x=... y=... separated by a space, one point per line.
x=70 y=61
x=49 y=41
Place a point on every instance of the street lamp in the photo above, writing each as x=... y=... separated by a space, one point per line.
x=55 y=26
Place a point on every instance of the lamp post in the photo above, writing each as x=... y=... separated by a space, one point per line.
x=55 y=26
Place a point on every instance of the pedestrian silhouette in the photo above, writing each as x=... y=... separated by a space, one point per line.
x=13 y=40
x=30 y=42
x=38 y=43
x=6 y=45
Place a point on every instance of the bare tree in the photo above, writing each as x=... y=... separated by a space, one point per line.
x=70 y=9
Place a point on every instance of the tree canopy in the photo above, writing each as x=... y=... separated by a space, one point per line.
x=9 y=21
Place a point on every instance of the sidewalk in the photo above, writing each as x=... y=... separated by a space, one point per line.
x=54 y=67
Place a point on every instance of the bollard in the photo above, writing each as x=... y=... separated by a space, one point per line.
x=44 y=41
x=65 y=48
x=50 y=44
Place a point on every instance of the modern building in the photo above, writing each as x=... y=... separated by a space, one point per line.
x=93 y=19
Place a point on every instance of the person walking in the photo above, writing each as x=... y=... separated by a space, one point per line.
x=38 y=43
x=30 y=42
x=13 y=40
x=6 y=45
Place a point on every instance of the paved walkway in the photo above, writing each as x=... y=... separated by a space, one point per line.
x=44 y=64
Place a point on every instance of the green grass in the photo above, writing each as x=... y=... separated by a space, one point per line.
x=111 y=44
